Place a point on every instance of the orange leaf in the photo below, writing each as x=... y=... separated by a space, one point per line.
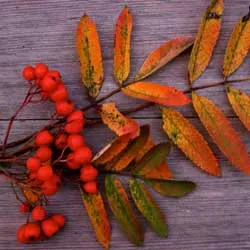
x=110 y=151
x=164 y=54
x=160 y=172
x=128 y=155
x=241 y=105
x=189 y=140
x=153 y=92
x=122 y=45
x=205 y=42
x=117 y=122
x=89 y=51
x=97 y=214
x=238 y=46
x=221 y=131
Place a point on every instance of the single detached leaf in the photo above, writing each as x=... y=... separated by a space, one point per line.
x=162 y=55
x=97 y=214
x=128 y=155
x=206 y=38
x=122 y=210
x=172 y=188
x=117 y=122
x=238 y=46
x=89 y=52
x=241 y=105
x=160 y=172
x=189 y=140
x=148 y=208
x=221 y=131
x=152 y=159
x=122 y=39
x=110 y=151
x=154 y=92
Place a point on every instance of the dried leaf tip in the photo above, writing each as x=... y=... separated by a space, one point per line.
x=246 y=17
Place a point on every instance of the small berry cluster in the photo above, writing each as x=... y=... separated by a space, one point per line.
x=42 y=227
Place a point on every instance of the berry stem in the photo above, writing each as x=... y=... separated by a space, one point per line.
x=26 y=100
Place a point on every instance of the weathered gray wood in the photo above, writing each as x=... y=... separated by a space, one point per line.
x=216 y=216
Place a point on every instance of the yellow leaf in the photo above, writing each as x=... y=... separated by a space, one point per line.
x=189 y=140
x=221 y=131
x=89 y=51
x=122 y=45
x=206 y=38
x=241 y=105
x=238 y=46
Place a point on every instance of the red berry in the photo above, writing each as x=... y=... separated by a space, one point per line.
x=33 y=164
x=55 y=75
x=41 y=70
x=83 y=155
x=60 y=94
x=32 y=231
x=38 y=213
x=71 y=163
x=44 y=138
x=44 y=153
x=45 y=173
x=49 y=83
x=49 y=188
x=64 y=108
x=90 y=187
x=75 y=141
x=49 y=227
x=88 y=173
x=21 y=234
x=61 y=141
x=56 y=180
x=24 y=207
x=74 y=127
x=29 y=73
x=76 y=115
x=59 y=219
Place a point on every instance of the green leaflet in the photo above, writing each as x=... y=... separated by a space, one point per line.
x=172 y=188
x=122 y=210
x=152 y=159
x=148 y=208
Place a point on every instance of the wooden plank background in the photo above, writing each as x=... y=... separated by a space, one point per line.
x=217 y=215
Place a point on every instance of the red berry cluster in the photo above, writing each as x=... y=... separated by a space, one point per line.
x=42 y=227
x=70 y=137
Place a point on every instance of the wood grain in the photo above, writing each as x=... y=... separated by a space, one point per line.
x=216 y=216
